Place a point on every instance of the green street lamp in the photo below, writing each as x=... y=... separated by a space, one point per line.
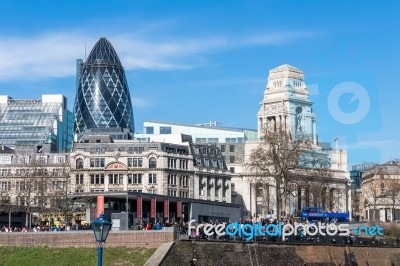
x=101 y=227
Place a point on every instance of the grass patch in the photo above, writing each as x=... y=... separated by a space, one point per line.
x=44 y=256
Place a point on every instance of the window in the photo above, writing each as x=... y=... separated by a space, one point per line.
x=198 y=161
x=79 y=179
x=214 y=163
x=231 y=159
x=135 y=149
x=204 y=150
x=152 y=178
x=23 y=159
x=165 y=130
x=79 y=163
x=135 y=162
x=21 y=201
x=135 y=178
x=115 y=179
x=172 y=180
x=183 y=164
x=196 y=150
x=97 y=179
x=59 y=159
x=5 y=199
x=59 y=185
x=41 y=159
x=20 y=185
x=184 y=181
x=212 y=140
x=5 y=159
x=232 y=169
x=184 y=194
x=149 y=130
x=259 y=192
x=152 y=162
x=232 y=148
x=222 y=148
x=240 y=140
x=171 y=163
x=171 y=192
x=5 y=186
x=97 y=162
x=206 y=162
x=221 y=164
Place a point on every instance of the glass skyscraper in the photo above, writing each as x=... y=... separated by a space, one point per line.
x=102 y=97
x=36 y=122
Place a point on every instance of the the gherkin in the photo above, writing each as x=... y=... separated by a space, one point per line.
x=102 y=96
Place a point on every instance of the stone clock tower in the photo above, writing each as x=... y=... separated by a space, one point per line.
x=286 y=102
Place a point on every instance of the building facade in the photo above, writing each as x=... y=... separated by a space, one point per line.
x=174 y=166
x=102 y=94
x=380 y=192
x=33 y=178
x=230 y=141
x=36 y=122
x=286 y=104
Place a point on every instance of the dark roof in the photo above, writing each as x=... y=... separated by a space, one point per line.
x=103 y=53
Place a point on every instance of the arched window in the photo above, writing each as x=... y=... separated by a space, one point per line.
x=152 y=162
x=79 y=163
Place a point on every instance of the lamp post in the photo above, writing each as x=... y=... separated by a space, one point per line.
x=101 y=227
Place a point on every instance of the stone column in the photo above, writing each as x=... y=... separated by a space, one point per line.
x=195 y=193
x=125 y=182
x=86 y=182
x=106 y=182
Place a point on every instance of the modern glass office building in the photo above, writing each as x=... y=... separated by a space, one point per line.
x=102 y=97
x=36 y=122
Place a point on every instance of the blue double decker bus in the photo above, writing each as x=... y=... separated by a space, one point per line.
x=317 y=214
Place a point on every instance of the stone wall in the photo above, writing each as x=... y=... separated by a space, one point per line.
x=209 y=253
x=149 y=239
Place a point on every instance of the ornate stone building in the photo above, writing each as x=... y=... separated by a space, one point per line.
x=380 y=192
x=286 y=103
x=33 y=177
x=172 y=166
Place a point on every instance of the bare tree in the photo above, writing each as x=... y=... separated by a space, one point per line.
x=67 y=189
x=316 y=182
x=392 y=193
x=278 y=158
x=32 y=184
x=372 y=195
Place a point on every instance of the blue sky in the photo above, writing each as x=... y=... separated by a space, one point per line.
x=196 y=61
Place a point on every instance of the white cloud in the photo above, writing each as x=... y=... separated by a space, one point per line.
x=138 y=102
x=54 y=54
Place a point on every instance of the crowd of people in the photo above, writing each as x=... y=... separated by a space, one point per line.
x=44 y=228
